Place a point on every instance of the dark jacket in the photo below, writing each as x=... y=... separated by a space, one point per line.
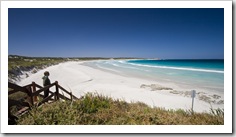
x=46 y=81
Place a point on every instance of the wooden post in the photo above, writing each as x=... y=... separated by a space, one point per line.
x=57 y=91
x=71 y=96
x=34 y=89
x=30 y=95
x=193 y=94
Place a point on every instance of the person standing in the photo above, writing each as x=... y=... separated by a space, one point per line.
x=46 y=81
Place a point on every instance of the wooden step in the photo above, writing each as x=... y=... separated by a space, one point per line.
x=22 y=111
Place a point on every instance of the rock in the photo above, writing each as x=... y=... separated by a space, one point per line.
x=205 y=98
x=220 y=102
x=174 y=92
x=216 y=96
x=155 y=87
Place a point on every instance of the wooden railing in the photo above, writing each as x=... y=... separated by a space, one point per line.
x=33 y=94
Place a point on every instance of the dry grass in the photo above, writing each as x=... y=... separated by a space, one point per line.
x=95 y=109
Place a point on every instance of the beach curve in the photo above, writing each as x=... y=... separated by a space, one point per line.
x=81 y=79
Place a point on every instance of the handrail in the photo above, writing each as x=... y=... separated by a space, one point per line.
x=38 y=86
x=63 y=97
x=43 y=89
x=31 y=91
x=29 y=85
x=60 y=95
x=46 y=99
x=15 y=88
x=27 y=89
x=67 y=92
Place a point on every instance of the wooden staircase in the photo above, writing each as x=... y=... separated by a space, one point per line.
x=33 y=92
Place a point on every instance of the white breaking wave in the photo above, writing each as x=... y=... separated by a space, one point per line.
x=179 y=68
x=107 y=68
x=116 y=65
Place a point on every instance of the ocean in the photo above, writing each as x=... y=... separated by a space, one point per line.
x=202 y=73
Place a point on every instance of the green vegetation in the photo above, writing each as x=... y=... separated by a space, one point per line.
x=93 y=109
x=15 y=61
x=17 y=95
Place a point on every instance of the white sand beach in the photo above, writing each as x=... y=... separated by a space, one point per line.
x=80 y=79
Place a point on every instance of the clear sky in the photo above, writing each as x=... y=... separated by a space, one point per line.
x=149 y=33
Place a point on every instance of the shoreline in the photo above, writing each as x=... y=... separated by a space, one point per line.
x=81 y=79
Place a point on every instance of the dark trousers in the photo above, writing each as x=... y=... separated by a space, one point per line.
x=46 y=92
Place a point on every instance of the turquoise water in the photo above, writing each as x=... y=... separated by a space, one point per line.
x=207 y=74
x=198 y=65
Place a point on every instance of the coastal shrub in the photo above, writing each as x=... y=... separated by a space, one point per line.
x=94 y=109
x=91 y=103
x=17 y=95
x=18 y=65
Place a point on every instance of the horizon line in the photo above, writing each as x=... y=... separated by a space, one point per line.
x=117 y=57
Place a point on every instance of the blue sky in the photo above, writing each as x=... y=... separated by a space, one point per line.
x=149 y=33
